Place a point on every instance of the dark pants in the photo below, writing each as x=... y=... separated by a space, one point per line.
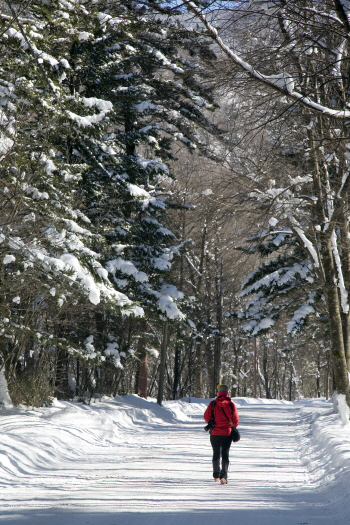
x=221 y=447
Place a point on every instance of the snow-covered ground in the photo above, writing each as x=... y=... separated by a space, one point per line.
x=128 y=461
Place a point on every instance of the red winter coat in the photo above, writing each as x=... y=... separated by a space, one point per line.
x=222 y=424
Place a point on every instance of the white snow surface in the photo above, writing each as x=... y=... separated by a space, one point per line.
x=282 y=80
x=299 y=318
x=102 y=105
x=4 y=393
x=128 y=461
x=8 y=259
x=126 y=267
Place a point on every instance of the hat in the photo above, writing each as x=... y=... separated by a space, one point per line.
x=222 y=388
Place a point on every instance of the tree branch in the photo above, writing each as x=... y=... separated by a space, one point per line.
x=283 y=83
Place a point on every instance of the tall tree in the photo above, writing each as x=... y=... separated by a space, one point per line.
x=92 y=99
x=303 y=56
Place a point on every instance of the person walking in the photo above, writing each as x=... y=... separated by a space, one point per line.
x=225 y=417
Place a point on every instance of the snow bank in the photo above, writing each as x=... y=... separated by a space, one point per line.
x=328 y=446
x=148 y=410
x=5 y=400
x=40 y=440
x=343 y=409
x=241 y=401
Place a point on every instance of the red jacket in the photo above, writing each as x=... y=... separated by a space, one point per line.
x=222 y=423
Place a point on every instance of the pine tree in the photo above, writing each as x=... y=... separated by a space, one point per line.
x=136 y=61
x=282 y=286
x=92 y=100
x=46 y=240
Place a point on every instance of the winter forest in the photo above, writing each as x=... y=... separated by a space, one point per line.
x=174 y=199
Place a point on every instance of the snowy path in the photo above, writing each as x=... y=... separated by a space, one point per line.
x=70 y=466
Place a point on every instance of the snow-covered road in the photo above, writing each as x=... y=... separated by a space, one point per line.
x=131 y=462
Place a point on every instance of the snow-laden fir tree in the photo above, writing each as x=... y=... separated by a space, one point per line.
x=136 y=61
x=283 y=285
x=46 y=240
x=92 y=98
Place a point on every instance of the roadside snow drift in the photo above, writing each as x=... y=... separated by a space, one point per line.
x=128 y=461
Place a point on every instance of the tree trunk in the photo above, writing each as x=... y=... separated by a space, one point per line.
x=218 y=337
x=3 y=312
x=137 y=378
x=200 y=348
x=266 y=375
x=338 y=321
x=63 y=390
x=130 y=146
x=335 y=321
x=177 y=371
x=345 y=260
x=217 y=363
x=77 y=383
x=143 y=374
x=318 y=388
x=162 y=363
x=142 y=371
